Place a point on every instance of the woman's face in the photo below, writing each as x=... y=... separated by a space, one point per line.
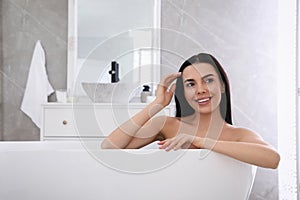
x=202 y=87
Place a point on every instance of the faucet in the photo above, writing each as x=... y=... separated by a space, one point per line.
x=114 y=72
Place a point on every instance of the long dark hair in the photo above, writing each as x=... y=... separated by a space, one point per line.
x=182 y=106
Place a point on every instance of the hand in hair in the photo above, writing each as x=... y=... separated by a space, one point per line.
x=165 y=89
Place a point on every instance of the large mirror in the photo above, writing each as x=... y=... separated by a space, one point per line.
x=101 y=32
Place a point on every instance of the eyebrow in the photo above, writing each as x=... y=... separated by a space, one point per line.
x=189 y=80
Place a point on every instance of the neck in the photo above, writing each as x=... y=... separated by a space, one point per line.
x=205 y=118
x=211 y=124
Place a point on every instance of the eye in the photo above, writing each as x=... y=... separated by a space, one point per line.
x=190 y=84
x=208 y=80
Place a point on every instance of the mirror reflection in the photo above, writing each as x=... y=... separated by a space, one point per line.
x=119 y=31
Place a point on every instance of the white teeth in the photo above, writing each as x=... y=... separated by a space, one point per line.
x=203 y=100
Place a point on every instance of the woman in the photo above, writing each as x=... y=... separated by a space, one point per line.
x=203 y=117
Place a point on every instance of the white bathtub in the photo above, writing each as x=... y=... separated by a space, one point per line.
x=70 y=170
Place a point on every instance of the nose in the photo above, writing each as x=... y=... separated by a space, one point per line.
x=201 y=89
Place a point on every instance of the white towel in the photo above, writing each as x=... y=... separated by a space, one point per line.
x=38 y=87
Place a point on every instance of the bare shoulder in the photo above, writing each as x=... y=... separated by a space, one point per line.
x=170 y=125
x=245 y=135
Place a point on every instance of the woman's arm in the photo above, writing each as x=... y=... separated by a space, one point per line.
x=250 y=148
x=141 y=127
x=262 y=155
x=139 y=123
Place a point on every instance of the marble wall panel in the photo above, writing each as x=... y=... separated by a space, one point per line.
x=23 y=23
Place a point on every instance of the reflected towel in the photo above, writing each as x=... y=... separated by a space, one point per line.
x=38 y=87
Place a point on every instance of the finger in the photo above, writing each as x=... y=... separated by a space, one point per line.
x=172 y=77
x=179 y=145
x=172 y=144
x=173 y=87
x=169 y=79
x=181 y=139
x=161 y=142
x=166 y=144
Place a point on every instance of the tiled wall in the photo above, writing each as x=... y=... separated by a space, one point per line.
x=242 y=35
x=23 y=23
x=239 y=33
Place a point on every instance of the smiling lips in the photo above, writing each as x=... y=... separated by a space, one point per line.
x=203 y=101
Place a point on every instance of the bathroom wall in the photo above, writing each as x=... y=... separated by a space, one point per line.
x=22 y=24
x=242 y=35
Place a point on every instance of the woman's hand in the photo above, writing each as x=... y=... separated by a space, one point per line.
x=180 y=141
x=164 y=94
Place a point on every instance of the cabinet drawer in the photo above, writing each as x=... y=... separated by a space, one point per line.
x=76 y=122
x=86 y=121
x=58 y=122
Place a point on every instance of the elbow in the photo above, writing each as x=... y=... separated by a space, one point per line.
x=106 y=144
x=103 y=145
x=275 y=161
x=269 y=160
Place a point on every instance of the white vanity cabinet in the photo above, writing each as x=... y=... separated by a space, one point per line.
x=67 y=121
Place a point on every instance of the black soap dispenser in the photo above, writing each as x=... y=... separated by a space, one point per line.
x=114 y=72
x=145 y=93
